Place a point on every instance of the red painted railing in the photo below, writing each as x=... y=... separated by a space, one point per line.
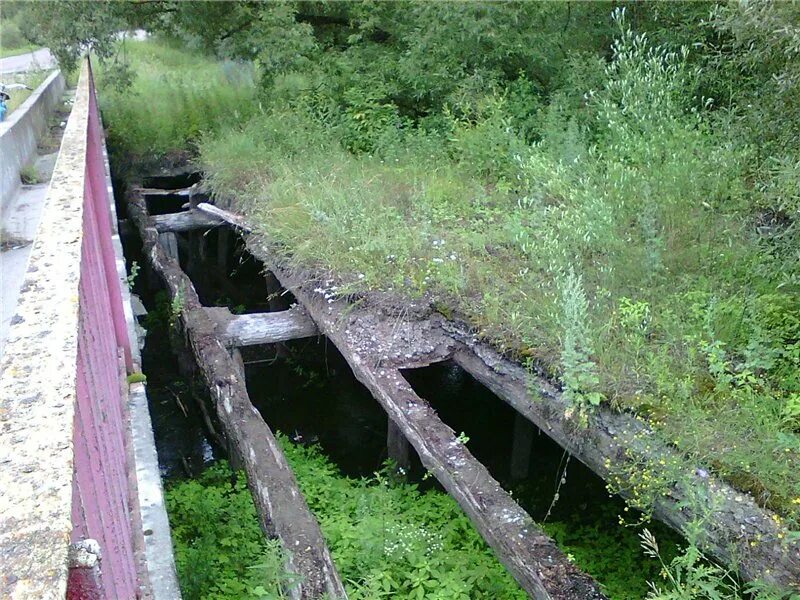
x=101 y=505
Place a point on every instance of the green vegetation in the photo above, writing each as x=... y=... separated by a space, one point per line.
x=29 y=175
x=174 y=98
x=220 y=551
x=614 y=199
x=624 y=230
x=390 y=540
x=13 y=32
x=386 y=536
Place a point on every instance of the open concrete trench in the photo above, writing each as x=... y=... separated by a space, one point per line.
x=420 y=385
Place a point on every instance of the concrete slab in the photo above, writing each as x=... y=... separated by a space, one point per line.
x=18 y=224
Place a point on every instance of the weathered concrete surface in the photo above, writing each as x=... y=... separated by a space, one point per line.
x=19 y=220
x=65 y=467
x=38 y=390
x=30 y=61
x=20 y=133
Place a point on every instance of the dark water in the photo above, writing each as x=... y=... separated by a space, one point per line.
x=311 y=395
x=235 y=279
x=184 y=448
x=469 y=407
x=182 y=443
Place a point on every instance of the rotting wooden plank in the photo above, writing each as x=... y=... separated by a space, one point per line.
x=280 y=505
x=739 y=532
x=262 y=328
x=532 y=557
x=229 y=217
x=187 y=220
x=187 y=192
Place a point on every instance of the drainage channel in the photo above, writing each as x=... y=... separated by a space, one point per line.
x=306 y=390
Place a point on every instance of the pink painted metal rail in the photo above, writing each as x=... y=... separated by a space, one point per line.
x=66 y=472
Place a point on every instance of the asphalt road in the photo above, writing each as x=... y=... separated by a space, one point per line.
x=39 y=59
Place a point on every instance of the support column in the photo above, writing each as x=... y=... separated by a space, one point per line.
x=522 y=442
x=399 y=449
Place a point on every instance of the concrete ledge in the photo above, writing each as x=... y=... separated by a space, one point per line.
x=159 y=559
x=38 y=379
x=20 y=133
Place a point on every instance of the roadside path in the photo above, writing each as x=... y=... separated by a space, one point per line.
x=19 y=220
x=39 y=59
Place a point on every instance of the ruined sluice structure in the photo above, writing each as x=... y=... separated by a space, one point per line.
x=80 y=433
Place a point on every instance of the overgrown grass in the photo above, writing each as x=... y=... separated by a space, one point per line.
x=622 y=246
x=387 y=539
x=176 y=96
x=628 y=264
x=220 y=551
x=6 y=51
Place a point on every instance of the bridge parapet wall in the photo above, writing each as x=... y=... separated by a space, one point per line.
x=19 y=134
x=66 y=471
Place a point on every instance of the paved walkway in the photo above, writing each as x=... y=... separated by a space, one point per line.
x=39 y=59
x=19 y=220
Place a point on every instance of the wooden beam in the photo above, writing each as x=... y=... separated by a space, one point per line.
x=280 y=505
x=188 y=220
x=532 y=557
x=193 y=191
x=226 y=216
x=181 y=192
x=262 y=328
x=739 y=533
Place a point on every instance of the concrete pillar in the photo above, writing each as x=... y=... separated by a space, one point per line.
x=399 y=450
x=522 y=442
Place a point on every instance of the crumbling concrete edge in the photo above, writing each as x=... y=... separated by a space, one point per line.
x=159 y=557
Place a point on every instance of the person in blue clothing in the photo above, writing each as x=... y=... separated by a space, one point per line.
x=4 y=98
